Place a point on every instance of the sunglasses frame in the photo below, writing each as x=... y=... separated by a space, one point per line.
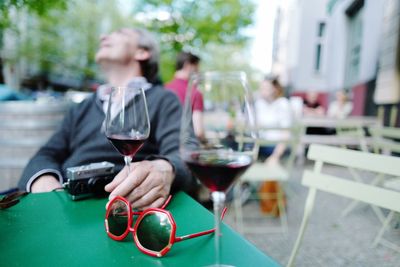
x=172 y=237
x=131 y=213
x=142 y=214
x=11 y=199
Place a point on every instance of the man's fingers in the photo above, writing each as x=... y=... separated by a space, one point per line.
x=146 y=185
x=117 y=180
x=134 y=179
x=152 y=180
x=148 y=199
x=158 y=203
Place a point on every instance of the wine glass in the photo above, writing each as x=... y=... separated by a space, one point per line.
x=229 y=145
x=127 y=123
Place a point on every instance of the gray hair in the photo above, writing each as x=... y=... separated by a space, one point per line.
x=147 y=42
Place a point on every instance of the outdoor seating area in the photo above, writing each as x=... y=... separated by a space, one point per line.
x=365 y=162
x=200 y=133
x=361 y=153
x=331 y=239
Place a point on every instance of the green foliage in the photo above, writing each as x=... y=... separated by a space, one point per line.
x=61 y=37
x=63 y=42
x=194 y=25
x=40 y=7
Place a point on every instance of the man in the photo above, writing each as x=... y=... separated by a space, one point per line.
x=186 y=65
x=127 y=56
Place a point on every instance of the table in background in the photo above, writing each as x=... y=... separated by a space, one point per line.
x=49 y=229
x=355 y=137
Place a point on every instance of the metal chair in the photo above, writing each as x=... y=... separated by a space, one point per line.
x=25 y=126
x=386 y=141
x=316 y=180
x=261 y=172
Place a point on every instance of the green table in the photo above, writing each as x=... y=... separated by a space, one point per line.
x=49 y=229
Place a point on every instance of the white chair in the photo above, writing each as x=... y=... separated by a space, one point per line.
x=316 y=180
x=386 y=141
x=260 y=172
x=382 y=141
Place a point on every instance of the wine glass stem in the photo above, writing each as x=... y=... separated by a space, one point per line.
x=218 y=199
x=128 y=160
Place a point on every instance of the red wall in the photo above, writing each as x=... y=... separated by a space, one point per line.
x=359 y=97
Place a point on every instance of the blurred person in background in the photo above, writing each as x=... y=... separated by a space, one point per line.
x=311 y=106
x=186 y=65
x=341 y=107
x=273 y=111
x=127 y=57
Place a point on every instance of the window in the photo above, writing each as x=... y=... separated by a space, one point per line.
x=354 y=43
x=321 y=29
x=319 y=47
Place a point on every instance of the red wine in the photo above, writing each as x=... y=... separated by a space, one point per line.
x=127 y=146
x=217 y=170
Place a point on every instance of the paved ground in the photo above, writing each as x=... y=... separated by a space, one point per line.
x=330 y=240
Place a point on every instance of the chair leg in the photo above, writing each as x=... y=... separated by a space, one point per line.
x=390 y=245
x=383 y=229
x=377 y=180
x=307 y=212
x=354 y=203
x=282 y=210
x=349 y=208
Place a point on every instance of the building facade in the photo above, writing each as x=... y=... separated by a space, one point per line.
x=332 y=45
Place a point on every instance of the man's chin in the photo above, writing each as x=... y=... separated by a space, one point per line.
x=103 y=61
x=98 y=58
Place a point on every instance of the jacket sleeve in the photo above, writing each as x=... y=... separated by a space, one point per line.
x=49 y=158
x=167 y=131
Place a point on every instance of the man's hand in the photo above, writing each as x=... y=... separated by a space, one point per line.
x=45 y=183
x=148 y=183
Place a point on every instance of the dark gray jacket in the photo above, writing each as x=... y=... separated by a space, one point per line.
x=79 y=140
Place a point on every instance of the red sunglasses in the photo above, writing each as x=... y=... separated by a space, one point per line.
x=154 y=230
x=11 y=199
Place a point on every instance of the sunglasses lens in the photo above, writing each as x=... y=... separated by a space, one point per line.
x=118 y=218
x=153 y=231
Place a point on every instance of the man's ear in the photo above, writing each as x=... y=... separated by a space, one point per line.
x=142 y=54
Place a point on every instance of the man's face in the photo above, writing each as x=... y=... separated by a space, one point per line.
x=119 y=46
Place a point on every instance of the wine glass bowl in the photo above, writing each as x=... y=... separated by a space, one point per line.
x=218 y=169
x=127 y=123
x=229 y=144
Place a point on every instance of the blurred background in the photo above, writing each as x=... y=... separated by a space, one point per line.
x=47 y=53
x=51 y=44
x=318 y=45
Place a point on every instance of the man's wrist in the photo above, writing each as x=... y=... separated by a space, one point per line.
x=163 y=165
x=45 y=183
x=52 y=172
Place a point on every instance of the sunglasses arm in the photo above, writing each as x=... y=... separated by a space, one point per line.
x=166 y=202
x=11 y=199
x=185 y=237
